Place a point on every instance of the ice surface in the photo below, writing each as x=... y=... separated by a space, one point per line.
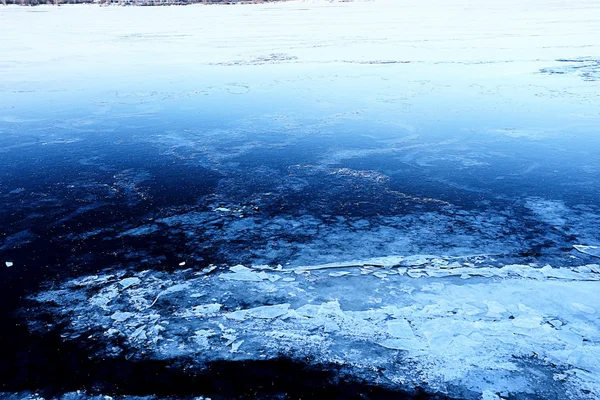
x=506 y=312
x=362 y=36
x=503 y=327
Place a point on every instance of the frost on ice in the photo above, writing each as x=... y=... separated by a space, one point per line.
x=454 y=325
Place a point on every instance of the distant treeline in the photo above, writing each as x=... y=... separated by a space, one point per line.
x=131 y=2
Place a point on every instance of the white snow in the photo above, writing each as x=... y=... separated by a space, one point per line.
x=185 y=38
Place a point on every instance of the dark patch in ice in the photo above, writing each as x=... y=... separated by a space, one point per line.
x=586 y=68
x=51 y=367
x=273 y=58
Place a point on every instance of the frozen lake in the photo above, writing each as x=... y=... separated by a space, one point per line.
x=413 y=191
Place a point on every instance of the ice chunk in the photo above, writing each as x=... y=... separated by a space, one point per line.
x=230 y=337
x=589 y=250
x=273 y=277
x=593 y=267
x=247 y=277
x=104 y=297
x=471 y=310
x=8 y=264
x=263 y=312
x=128 y=282
x=495 y=310
x=380 y=262
x=527 y=321
x=139 y=333
x=417 y=260
x=201 y=336
x=489 y=395
x=235 y=346
x=240 y=269
x=400 y=329
x=207 y=270
x=120 y=316
x=172 y=289
x=93 y=280
x=268 y=312
x=206 y=309
x=241 y=273
x=339 y=273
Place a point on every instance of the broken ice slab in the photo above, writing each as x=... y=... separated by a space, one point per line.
x=173 y=289
x=242 y=276
x=495 y=310
x=400 y=329
x=201 y=336
x=204 y=310
x=120 y=316
x=489 y=395
x=263 y=312
x=339 y=273
x=139 y=333
x=381 y=262
x=593 y=251
x=128 y=282
x=240 y=269
x=93 y=280
x=235 y=346
x=417 y=260
x=242 y=273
